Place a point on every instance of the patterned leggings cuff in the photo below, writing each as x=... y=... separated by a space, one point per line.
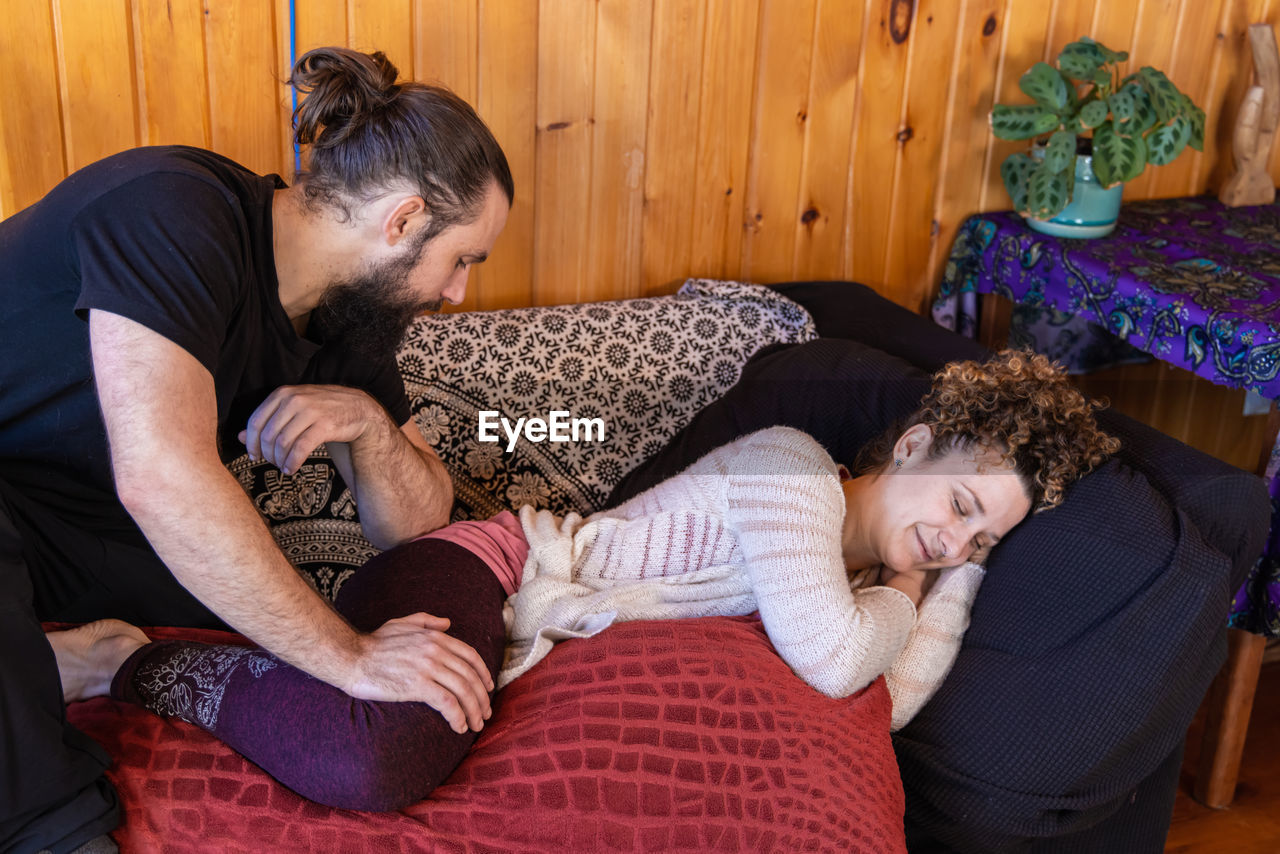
x=122 y=684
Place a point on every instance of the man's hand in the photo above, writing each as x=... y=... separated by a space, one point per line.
x=395 y=477
x=411 y=658
x=913 y=582
x=294 y=420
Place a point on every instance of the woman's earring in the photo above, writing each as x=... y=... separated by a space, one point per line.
x=897 y=463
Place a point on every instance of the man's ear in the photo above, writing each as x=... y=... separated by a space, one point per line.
x=914 y=442
x=405 y=217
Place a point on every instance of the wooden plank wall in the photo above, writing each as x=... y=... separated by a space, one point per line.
x=650 y=139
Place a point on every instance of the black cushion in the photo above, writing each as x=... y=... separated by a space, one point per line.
x=854 y=311
x=1093 y=640
x=841 y=392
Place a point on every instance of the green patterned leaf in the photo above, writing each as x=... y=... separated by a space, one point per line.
x=1045 y=86
x=1060 y=153
x=1139 y=159
x=1109 y=55
x=1122 y=109
x=1015 y=171
x=1165 y=97
x=1079 y=60
x=1117 y=158
x=1021 y=121
x=1047 y=193
x=1102 y=79
x=1093 y=114
x=1167 y=142
x=1144 y=114
x=1195 y=116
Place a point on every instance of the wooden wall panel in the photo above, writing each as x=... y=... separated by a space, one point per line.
x=876 y=145
x=388 y=26
x=620 y=96
x=445 y=40
x=318 y=23
x=1191 y=409
x=246 y=109
x=780 y=115
x=822 y=220
x=671 y=145
x=913 y=233
x=961 y=177
x=174 y=92
x=650 y=139
x=724 y=134
x=34 y=157
x=507 y=94
x=1192 y=69
x=446 y=44
x=566 y=66
x=95 y=58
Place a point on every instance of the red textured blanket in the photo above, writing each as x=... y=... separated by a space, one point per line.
x=686 y=735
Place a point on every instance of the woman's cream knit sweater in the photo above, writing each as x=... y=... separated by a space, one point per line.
x=754 y=525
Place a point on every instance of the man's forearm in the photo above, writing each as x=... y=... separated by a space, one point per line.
x=402 y=491
x=231 y=563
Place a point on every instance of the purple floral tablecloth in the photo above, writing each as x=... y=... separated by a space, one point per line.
x=1191 y=281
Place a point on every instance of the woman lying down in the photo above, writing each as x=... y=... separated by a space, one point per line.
x=852 y=576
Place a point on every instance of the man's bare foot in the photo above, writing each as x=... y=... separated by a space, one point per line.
x=89 y=656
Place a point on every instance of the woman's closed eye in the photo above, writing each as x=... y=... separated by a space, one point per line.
x=982 y=546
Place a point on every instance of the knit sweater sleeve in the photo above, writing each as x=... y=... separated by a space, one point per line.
x=934 y=641
x=786 y=508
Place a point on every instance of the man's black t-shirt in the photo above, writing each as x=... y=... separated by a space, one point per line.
x=179 y=240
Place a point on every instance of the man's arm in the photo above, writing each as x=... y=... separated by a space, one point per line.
x=398 y=482
x=160 y=410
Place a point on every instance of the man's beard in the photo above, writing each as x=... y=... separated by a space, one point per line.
x=371 y=312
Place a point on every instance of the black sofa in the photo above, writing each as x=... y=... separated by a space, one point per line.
x=1096 y=633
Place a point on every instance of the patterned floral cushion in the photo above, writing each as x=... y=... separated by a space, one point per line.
x=644 y=367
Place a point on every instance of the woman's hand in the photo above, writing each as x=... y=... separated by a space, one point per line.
x=913 y=582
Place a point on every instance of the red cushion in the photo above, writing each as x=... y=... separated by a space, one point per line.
x=652 y=736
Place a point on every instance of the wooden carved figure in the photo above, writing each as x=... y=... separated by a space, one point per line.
x=1256 y=126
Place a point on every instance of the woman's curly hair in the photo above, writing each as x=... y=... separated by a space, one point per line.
x=1019 y=404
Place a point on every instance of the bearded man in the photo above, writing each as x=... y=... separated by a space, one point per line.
x=167 y=309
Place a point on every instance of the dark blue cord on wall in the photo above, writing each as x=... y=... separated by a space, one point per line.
x=293 y=57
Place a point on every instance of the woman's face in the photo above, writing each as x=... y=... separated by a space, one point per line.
x=933 y=514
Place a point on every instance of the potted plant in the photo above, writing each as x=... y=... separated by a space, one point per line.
x=1093 y=132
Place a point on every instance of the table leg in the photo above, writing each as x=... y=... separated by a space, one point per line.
x=1230 y=702
x=1230 y=698
x=993 y=321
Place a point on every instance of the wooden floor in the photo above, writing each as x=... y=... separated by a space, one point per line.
x=1251 y=825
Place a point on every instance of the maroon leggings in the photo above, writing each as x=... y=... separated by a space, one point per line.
x=309 y=735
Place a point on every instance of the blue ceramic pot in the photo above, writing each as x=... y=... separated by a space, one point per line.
x=1092 y=210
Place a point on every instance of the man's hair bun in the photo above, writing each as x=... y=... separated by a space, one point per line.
x=343 y=87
